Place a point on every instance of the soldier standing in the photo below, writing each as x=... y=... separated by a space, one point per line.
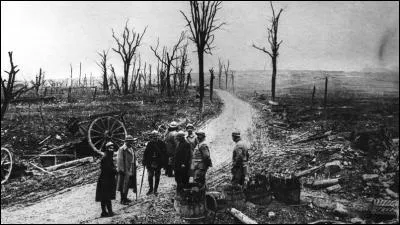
x=239 y=160
x=182 y=161
x=170 y=142
x=201 y=160
x=126 y=167
x=154 y=159
x=191 y=138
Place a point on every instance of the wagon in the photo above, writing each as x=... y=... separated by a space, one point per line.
x=6 y=164
x=100 y=129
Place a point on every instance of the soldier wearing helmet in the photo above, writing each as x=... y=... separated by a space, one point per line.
x=154 y=159
x=170 y=143
x=239 y=160
x=201 y=160
x=182 y=161
x=126 y=166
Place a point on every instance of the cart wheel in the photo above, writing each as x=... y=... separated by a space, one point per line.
x=6 y=164
x=105 y=129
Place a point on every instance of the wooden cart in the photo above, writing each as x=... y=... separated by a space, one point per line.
x=100 y=129
x=6 y=164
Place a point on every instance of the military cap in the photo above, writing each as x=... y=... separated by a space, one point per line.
x=236 y=134
x=109 y=144
x=189 y=126
x=173 y=124
x=129 y=138
x=180 y=134
x=200 y=133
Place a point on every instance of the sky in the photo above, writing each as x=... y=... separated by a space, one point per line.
x=346 y=36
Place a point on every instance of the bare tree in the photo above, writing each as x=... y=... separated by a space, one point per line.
x=211 y=83
x=220 y=66
x=9 y=87
x=168 y=59
x=202 y=27
x=274 y=45
x=188 y=80
x=126 y=49
x=103 y=65
x=233 y=81
x=115 y=79
x=39 y=81
x=226 y=68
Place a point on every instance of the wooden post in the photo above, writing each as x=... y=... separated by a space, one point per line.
x=312 y=96
x=94 y=95
x=326 y=92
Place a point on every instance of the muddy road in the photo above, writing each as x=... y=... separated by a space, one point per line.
x=77 y=205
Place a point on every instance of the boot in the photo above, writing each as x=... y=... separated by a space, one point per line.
x=103 y=209
x=157 y=181
x=109 y=208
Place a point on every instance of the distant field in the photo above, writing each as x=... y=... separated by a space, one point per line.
x=344 y=84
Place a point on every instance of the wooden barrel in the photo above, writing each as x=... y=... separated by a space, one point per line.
x=258 y=190
x=234 y=196
x=259 y=197
x=215 y=201
x=286 y=189
x=190 y=203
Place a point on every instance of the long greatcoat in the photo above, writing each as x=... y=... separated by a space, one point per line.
x=126 y=167
x=106 y=185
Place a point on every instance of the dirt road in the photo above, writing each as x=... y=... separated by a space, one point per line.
x=77 y=205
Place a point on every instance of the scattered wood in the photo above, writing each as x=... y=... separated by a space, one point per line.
x=315 y=137
x=44 y=140
x=308 y=171
x=325 y=183
x=240 y=216
x=327 y=222
x=41 y=169
x=70 y=163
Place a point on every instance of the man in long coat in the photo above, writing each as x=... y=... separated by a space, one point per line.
x=126 y=167
x=154 y=159
x=191 y=138
x=182 y=161
x=201 y=160
x=170 y=142
x=240 y=159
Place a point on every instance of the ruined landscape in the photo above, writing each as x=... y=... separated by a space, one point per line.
x=323 y=144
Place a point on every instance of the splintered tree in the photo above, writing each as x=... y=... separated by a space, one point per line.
x=226 y=69
x=9 y=87
x=202 y=24
x=167 y=58
x=211 y=83
x=103 y=65
x=220 y=66
x=126 y=49
x=115 y=82
x=274 y=45
x=39 y=81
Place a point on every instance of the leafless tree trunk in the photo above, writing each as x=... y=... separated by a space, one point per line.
x=103 y=65
x=211 y=83
x=115 y=79
x=158 y=76
x=126 y=49
x=202 y=27
x=133 y=74
x=188 y=80
x=233 y=81
x=149 y=75
x=9 y=87
x=274 y=45
x=220 y=66
x=168 y=59
x=39 y=81
x=80 y=73
x=69 y=98
x=226 y=68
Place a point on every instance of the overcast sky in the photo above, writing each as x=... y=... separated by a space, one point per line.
x=316 y=35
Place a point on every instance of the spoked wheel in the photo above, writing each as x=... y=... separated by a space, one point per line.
x=6 y=164
x=105 y=129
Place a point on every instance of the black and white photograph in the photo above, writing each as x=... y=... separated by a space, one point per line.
x=199 y=112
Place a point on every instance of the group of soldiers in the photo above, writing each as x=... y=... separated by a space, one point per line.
x=182 y=155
